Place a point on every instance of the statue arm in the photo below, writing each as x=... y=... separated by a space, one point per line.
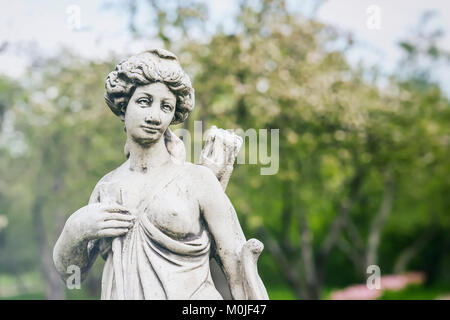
x=219 y=154
x=222 y=221
x=71 y=249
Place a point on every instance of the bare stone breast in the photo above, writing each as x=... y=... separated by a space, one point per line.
x=174 y=209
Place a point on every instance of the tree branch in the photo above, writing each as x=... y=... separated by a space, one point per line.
x=379 y=220
x=287 y=268
x=412 y=251
x=307 y=253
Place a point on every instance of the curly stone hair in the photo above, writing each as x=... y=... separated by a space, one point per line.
x=155 y=65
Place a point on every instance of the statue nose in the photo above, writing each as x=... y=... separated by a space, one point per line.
x=150 y=118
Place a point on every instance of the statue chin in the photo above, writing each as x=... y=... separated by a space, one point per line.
x=148 y=139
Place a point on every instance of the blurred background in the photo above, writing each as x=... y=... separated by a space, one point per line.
x=359 y=90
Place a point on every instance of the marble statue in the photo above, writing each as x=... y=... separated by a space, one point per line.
x=157 y=220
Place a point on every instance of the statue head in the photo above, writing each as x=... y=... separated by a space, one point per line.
x=138 y=80
x=155 y=65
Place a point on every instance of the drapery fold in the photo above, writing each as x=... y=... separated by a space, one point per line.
x=156 y=266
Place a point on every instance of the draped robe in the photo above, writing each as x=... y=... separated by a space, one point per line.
x=148 y=263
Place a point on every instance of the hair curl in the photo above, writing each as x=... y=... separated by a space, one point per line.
x=155 y=65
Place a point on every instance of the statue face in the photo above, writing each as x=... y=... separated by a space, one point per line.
x=149 y=112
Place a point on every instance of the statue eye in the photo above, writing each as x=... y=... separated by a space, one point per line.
x=144 y=101
x=166 y=107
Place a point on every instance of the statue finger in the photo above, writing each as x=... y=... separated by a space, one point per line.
x=112 y=232
x=209 y=135
x=109 y=224
x=115 y=208
x=119 y=216
x=208 y=147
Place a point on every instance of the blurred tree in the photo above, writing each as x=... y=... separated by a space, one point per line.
x=65 y=133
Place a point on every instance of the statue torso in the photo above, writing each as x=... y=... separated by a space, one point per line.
x=174 y=209
x=168 y=247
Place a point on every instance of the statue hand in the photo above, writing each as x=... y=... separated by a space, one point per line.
x=98 y=220
x=220 y=151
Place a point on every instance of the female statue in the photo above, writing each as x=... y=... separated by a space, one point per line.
x=157 y=219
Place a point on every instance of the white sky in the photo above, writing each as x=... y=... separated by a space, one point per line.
x=45 y=24
x=398 y=17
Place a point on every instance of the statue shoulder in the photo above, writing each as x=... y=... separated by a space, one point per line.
x=107 y=178
x=202 y=176
x=114 y=174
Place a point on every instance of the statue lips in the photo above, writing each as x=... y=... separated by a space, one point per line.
x=150 y=129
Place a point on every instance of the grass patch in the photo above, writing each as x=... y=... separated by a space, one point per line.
x=280 y=293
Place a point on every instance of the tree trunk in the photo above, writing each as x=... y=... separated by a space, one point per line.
x=341 y=219
x=288 y=268
x=55 y=289
x=379 y=220
x=405 y=257
x=286 y=216
x=307 y=253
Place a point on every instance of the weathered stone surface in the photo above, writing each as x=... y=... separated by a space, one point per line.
x=157 y=220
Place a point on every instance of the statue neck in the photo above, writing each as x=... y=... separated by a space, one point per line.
x=144 y=158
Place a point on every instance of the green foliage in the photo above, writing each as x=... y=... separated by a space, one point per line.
x=344 y=143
